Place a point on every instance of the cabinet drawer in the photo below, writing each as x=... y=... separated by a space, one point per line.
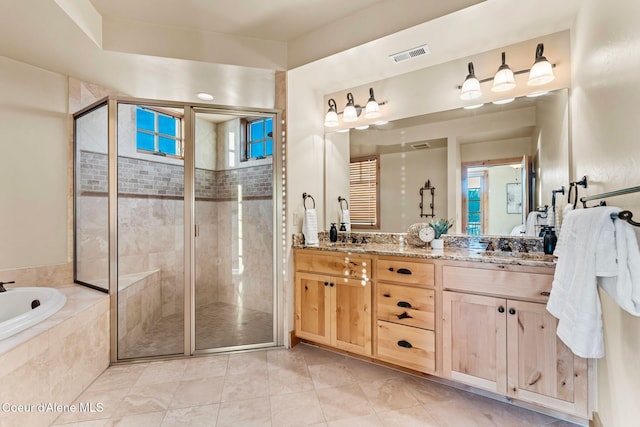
x=406 y=346
x=408 y=272
x=356 y=267
x=508 y=284
x=406 y=305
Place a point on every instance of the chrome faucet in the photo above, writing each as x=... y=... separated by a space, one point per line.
x=2 y=289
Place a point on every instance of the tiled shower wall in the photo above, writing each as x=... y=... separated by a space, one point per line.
x=230 y=266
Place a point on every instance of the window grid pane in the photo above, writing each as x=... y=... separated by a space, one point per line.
x=363 y=192
x=158 y=132
x=259 y=138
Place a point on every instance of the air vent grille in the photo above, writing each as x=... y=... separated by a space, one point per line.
x=420 y=145
x=410 y=54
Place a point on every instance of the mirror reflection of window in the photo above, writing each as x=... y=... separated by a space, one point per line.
x=475 y=205
x=364 y=192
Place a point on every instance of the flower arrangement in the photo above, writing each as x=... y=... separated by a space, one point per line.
x=441 y=226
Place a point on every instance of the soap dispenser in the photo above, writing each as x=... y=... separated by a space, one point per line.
x=343 y=227
x=333 y=233
x=549 y=240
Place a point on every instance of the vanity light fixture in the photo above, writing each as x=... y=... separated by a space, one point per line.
x=542 y=70
x=350 y=114
x=352 y=111
x=504 y=79
x=537 y=93
x=331 y=118
x=372 y=110
x=472 y=107
x=363 y=127
x=471 y=86
x=540 y=73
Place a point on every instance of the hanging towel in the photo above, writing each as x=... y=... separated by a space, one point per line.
x=346 y=219
x=583 y=251
x=531 y=226
x=624 y=285
x=310 y=227
x=568 y=208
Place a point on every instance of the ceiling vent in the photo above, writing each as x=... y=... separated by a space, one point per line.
x=410 y=54
x=420 y=145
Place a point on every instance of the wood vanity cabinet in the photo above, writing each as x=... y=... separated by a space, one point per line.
x=333 y=300
x=497 y=335
x=405 y=307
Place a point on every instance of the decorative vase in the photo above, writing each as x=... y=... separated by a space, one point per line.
x=437 y=244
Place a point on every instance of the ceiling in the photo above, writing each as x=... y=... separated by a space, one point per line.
x=164 y=49
x=281 y=20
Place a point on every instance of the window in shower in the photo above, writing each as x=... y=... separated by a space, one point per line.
x=158 y=132
x=259 y=138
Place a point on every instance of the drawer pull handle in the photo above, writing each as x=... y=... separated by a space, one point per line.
x=405 y=344
x=404 y=304
x=404 y=316
x=501 y=309
x=404 y=271
x=512 y=311
x=387 y=295
x=545 y=293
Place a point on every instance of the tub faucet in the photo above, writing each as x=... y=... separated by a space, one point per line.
x=2 y=289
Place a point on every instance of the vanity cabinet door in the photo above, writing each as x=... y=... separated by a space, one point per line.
x=334 y=311
x=474 y=340
x=351 y=315
x=542 y=369
x=313 y=307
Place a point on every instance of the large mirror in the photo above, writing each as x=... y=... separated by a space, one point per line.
x=490 y=166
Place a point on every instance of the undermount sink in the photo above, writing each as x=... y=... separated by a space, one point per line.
x=532 y=256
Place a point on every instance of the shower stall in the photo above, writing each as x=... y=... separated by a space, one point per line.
x=176 y=217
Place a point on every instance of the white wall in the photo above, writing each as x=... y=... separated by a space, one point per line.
x=501 y=222
x=605 y=129
x=34 y=186
x=401 y=177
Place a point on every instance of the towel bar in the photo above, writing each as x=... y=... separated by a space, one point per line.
x=304 y=200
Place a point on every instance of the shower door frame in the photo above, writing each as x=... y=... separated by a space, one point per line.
x=279 y=219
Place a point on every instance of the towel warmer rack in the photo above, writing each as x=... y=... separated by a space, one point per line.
x=304 y=200
x=624 y=215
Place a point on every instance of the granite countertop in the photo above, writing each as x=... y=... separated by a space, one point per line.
x=448 y=253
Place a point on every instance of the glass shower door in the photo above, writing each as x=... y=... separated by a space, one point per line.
x=234 y=255
x=150 y=231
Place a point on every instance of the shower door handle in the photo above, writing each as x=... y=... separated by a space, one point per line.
x=196 y=230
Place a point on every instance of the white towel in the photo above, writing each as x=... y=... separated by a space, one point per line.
x=346 y=219
x=568 y=208
x=531 y=226
x=624 y=285
x=582 y=250
x=310 y=227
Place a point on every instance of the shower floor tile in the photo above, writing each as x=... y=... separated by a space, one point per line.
x=218 y=325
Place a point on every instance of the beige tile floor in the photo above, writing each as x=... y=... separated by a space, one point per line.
x=277 y=387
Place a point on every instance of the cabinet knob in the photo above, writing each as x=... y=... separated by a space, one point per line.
x=405 y=344
x=387 y=295
x=512 y=311
x=391 y=269
x=501 y=309
x=326 y=283
x=404 y=304
x=545 y=293
x=331 y=285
